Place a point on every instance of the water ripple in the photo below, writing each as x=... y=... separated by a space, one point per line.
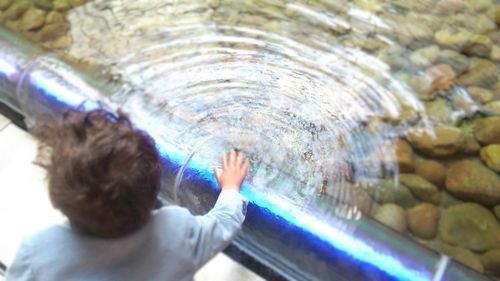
x=309 y=108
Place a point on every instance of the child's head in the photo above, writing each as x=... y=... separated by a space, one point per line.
x=103 y=174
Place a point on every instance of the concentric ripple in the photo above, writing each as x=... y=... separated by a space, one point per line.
x=265 y=76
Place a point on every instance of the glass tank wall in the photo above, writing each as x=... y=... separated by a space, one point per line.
x=373 y=126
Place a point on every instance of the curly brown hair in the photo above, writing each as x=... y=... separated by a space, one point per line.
x=103 y=173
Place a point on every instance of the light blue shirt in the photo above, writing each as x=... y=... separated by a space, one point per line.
x=172 y=245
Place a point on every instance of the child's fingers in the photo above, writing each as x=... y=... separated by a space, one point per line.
x=240 y=159
x=224 y=160
x=217 y=173
x=232 y=158
x=246 y=166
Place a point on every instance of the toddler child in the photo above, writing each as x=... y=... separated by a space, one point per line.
x=104 y=176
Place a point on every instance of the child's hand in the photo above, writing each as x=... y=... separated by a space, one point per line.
x=234 y=170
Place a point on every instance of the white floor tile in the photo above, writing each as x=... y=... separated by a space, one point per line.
x=223 y=268
x=3 y=122
x=24 y=204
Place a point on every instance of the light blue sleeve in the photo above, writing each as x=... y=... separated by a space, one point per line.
x=20 y=269
x=211 y=233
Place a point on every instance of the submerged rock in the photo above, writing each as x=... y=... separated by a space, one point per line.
x=463 y=105
x=479 y=24
x=421 y=188
x=460 y=254
x=423 y=88
x=33 y=19
x=77 y=3
x=448 y=200
x=4 y=4
x=370 y=5
x=394 y=58
x=470 y=181
x=491 y=262
x=214 y=4
x=457 y=61
x=491 y=156
x=471 y=146
x=492 y=108
x=482 y=73
x=406 y=114
x=428 y=20
x=386 y=191
x=2 y=18
x=478 y=45
x=423 y=220
x=432 y=171
x=54 y=17
x=440 y=142
x=440 y=112
x=425 y=57
x=411 y=34
x=12 y=25
x=495 y=37
x=362 y=200
x=17 y=9
x=471 y=226
x=487 y=130
x=495 y=54
x=392 y=215
x=438 y=77
x=480 y=95
x=462 y=40
x=62 y=42
x=419 y=6
x=43 y=4
x=441 y=75
x=496 y=15
x=478 y=5
x=446 y=7
x=453 y=38
x=53 y=31
x=403 y=154
x=468 y=126
x=61 y=5
x=340 y=6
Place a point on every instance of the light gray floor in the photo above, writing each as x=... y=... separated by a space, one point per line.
x=25 y=207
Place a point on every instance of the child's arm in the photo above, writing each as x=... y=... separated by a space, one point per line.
x=214 y=231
